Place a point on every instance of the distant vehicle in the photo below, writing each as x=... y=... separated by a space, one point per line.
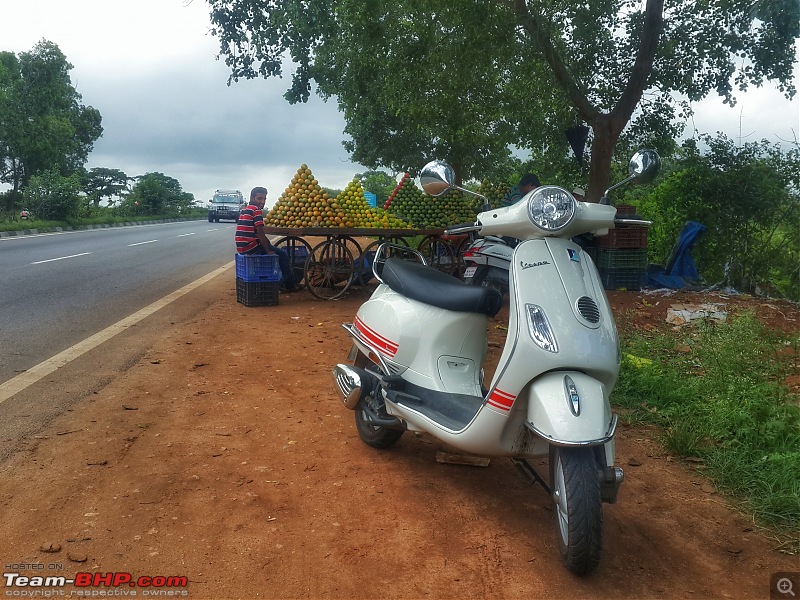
x=225 y=205
x=25 y=214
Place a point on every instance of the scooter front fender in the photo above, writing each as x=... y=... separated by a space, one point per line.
x=570 y=408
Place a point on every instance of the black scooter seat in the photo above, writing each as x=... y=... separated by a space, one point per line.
x=427 y=285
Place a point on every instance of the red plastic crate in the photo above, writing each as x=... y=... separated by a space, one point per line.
x=624 y=237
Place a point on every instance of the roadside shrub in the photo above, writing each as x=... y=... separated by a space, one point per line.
x=747 y=196
x=53 y=197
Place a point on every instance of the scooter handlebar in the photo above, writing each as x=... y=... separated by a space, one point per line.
x=461 y=228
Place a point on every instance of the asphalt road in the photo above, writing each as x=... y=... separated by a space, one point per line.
x=58 y=289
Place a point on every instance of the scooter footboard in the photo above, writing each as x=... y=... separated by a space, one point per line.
x=570 y=408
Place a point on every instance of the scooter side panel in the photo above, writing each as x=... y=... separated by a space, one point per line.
x=393 y=324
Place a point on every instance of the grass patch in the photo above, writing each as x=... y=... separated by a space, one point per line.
x=716 y=390
x=44 y=226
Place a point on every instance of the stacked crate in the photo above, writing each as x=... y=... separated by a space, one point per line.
x=258 y=279
x=622 y=255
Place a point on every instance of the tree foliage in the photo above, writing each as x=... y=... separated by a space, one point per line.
x=379 y=183
x=157 y=194
x=464 y=79
x=102 y=182
x=43 y=125
x=53 y=197
x=748 y=197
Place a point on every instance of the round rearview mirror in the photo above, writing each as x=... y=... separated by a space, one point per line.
x=437 y=177
x=644 y=166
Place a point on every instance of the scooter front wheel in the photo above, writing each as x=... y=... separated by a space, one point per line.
x=373 y=435
x=578 y=507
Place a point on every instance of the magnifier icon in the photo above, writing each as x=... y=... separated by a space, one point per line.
x=785 y=586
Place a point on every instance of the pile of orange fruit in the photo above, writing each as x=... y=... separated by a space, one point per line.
x=305 y=204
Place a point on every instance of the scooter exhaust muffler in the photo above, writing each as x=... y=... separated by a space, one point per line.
x=348 y=381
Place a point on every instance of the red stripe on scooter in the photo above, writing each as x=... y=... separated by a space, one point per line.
x=501 y=400
x=381 y=343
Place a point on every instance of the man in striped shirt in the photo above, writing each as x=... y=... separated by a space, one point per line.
x=251 y=239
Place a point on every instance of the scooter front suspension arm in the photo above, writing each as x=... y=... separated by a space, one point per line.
x=531 y=474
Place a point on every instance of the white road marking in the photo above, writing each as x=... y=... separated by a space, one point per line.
x=45 y=368
x=38 y=262
x=140 y=243
x=185 y=234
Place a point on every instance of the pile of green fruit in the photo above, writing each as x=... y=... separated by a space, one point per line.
x=411 y=204
x=493 y=193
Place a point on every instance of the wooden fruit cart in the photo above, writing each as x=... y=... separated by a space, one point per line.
x=328 y=260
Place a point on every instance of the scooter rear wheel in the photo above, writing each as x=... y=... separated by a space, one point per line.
x=374 y=435
x=578 y=507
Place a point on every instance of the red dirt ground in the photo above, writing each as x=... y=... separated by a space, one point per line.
x=222 y=453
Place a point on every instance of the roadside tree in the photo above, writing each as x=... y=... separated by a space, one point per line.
x=379 y=183
x=101 y=182
x=158 y=195
x=43 y=125
x=466 y=79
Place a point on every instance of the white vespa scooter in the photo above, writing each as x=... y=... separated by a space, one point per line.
x=420 y=344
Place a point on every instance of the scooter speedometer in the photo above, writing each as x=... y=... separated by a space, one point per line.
x=551 y=208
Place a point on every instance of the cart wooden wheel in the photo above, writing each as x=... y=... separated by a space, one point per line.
x=438 y=253
x=298 y=250
x=329 y=269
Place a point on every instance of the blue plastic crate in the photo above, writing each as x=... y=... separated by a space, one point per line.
x=297 y=255
x=258 y=267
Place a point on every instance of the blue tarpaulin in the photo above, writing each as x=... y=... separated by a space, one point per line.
x=680 y=270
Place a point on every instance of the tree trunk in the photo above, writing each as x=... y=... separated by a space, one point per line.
x=605 y=138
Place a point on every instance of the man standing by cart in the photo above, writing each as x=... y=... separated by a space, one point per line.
x=251 y=239
x=527 y=182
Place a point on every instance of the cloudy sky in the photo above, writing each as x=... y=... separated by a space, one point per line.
x=150 y=68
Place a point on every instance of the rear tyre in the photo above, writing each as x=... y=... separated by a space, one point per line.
x=374 y=435
x=578 y=507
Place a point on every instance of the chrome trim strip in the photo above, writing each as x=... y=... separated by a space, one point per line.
x=598 y=442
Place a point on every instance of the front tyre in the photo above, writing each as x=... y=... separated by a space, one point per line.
x=578 y=507
x=374 y=435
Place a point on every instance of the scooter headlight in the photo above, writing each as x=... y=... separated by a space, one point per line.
x=551 y=208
